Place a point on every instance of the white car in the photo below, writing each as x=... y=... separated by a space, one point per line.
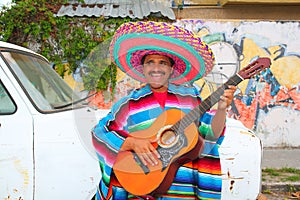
x=42 y=155
x=45 y=140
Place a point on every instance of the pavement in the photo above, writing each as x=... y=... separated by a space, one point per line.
x=280 y=158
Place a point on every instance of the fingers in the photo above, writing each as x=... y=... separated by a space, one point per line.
x=229 y=93
x=148 y=158
x=227 y=97
x=146 y=152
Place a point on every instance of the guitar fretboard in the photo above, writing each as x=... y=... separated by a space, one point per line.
x=205 y=105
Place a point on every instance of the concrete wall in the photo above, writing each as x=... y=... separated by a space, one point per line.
x=269 y=104
x=240 y=12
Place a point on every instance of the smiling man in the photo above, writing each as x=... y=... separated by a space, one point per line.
x=168 y=59
x=157 y=71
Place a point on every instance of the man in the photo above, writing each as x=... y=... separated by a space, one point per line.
x=168 y=59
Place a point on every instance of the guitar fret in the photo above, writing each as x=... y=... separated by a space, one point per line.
x=205 y=105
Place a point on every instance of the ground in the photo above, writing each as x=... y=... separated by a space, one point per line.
x=280 y=196
x=280 y=184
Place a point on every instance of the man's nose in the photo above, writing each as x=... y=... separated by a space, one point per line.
x=156 y=66
x=160 y=65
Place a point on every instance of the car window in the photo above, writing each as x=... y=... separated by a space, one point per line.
x=42 y=84
x=7 y=105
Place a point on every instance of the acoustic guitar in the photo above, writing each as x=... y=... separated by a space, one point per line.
x=178 y=142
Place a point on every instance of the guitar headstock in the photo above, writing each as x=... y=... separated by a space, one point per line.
x=255 y=67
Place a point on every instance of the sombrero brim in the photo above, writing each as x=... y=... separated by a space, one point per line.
x=193 y=58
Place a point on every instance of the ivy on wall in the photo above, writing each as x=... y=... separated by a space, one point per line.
x=33 y=24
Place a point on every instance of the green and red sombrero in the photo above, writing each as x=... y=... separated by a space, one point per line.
x=133 y=40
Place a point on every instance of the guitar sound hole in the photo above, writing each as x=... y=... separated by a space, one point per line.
x=168 y=138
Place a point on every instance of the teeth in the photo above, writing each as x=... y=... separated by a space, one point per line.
x=156 y=74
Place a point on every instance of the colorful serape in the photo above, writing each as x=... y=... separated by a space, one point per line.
x=199 y=179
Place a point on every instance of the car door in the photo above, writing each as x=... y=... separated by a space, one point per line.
x=16 y=142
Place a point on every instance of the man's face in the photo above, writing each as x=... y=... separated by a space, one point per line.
x=157 y=70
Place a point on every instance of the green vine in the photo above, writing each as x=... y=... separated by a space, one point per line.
x=77 y=41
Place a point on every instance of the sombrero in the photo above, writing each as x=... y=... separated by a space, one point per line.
x=133 y=40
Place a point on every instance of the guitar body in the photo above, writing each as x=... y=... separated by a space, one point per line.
x=175 y=150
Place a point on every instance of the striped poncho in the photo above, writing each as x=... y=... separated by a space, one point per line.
x=199 y=179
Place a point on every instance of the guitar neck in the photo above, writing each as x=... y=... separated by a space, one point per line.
x=205 y=105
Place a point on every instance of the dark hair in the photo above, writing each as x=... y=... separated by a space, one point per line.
x=144 y=57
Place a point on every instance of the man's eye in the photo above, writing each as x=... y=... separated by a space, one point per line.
x=149 y=63
x=164 y=64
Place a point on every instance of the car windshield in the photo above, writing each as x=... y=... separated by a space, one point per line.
x=46 y=89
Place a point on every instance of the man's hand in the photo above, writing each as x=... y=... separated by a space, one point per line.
x=218 y=122
x=143 y=148
x=226 y=98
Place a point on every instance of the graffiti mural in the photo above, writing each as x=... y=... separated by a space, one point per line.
x=269 y=103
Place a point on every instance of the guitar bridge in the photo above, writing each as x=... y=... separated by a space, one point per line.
x=140 y=163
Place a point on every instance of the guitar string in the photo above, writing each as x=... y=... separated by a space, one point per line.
x=205 y=105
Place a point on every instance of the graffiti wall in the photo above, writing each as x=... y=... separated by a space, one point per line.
x=269 y=103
